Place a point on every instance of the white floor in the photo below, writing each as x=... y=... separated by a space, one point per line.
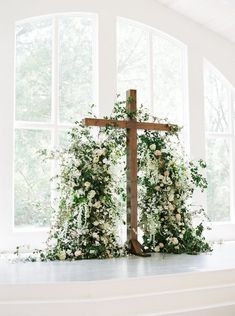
x=223 y=257
x=176 y=285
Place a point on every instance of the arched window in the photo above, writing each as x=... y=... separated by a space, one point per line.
x=220 y=150
x=155 y=64
x=56 y=71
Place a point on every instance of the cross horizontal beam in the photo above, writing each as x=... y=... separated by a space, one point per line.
x=127 y=124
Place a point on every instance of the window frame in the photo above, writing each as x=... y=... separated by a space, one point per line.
x=38 y=234
x=223 y=230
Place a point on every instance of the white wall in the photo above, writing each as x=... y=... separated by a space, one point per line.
x=201 y=43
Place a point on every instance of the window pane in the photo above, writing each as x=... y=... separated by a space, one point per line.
x=218 y=175
x=217 y=101
x=133 y=62
x=32 y=179
x=168 y=79
x=33 y=70
x=76 y=62
x=64 y=138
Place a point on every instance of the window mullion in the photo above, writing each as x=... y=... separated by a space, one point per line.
x=55 y=102
x=55 y=81
x=151 y=70
x=232 y=155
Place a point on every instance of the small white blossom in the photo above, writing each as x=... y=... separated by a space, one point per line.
x=87 y=184
x=157 y=153
x=157 y=249
x=96 y=159
x=62 y=255
x=152 y=147
x=91 y=194
x=97 y=204
x=178 y=217
x=174 y=241
x=161 y=245
x=78 y=253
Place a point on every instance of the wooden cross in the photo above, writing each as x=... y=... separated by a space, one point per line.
x=131 y=126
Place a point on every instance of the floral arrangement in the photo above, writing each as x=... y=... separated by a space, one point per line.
x=91 y=186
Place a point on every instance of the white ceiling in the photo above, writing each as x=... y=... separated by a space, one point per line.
x=216 y=15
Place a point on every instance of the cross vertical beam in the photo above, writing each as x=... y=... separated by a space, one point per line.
x=131 y=165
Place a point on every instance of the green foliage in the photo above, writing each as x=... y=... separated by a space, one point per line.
x=91 y=185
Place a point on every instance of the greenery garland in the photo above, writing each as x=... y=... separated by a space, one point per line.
x=91 y=186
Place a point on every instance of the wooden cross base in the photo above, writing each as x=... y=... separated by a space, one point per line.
x=135 y=248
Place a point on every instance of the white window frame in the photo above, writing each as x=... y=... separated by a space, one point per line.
x=33 y=237
x=185 y=108
x=224 y=230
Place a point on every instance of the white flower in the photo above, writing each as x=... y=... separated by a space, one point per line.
x=161 y=245
x=157 y=188
x=62 y=255
x=97 y=204
x=171 y=207
x=96 y=223
x=174 y=241
x=91 y=194
x=96 y=159
x=87 y=184
x=157 y=249
x=52 y=242
x=77 y=174
x=78 y=253
x=152 y=147
x=178 y=217
x=166 y=173
x=95 y=235
x=157 y=153
x=105 y=161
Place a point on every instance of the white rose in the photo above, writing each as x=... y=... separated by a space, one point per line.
x=174 y=241
x=87 y=184
x=96 y=223
x=97 y=204
x=78 y=253
x=161 y=245
x=92 y=193
x=157 y=153
x=152 y=147
x=62 y=255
